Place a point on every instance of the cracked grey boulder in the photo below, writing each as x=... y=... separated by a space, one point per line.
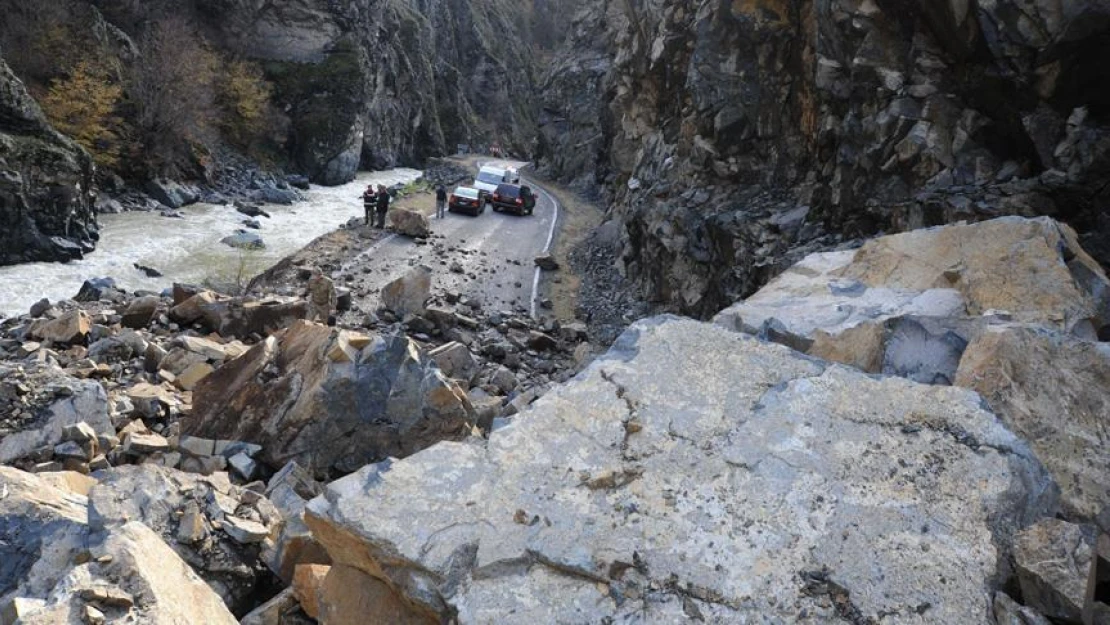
x=331 y=401
x=749 y=484
x=132 y=577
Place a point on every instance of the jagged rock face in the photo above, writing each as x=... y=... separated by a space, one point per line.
x=750 y=483
x=875 y=116
x=45 y=211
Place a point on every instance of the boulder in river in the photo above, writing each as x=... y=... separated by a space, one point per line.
x=95 y=289
x=250 y=210
x=748 y=482
x=273 y=195
x=330 y=400
x=244 y=239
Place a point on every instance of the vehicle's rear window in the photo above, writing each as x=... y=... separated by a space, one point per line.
x=509 y=190
x=489 y=177
x=467 y=192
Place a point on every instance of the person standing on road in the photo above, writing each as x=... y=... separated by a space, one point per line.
x=441 y=201
x=322 y=297
x=369 y=200
x=383 y=205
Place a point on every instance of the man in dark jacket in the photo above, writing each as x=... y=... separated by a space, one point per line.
x=383 y=205
x=369 y=200
x=441 y=201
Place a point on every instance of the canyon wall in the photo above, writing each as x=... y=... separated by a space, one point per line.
x=732 y=137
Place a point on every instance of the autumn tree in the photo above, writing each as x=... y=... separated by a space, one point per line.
x=172 y=90
x=244 y=97
x=83 y=106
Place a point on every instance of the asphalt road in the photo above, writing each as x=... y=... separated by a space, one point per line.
x=488 y=258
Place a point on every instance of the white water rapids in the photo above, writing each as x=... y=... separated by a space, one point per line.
x=189 y=250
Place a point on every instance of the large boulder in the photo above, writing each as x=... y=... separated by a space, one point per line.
x=171 y=194
x=38 y=402
x=748 y=483
x=331 y=401
x=133 y=577
x=838 y=304
x=409 y=223
x=1053 y=390
x=408 y=294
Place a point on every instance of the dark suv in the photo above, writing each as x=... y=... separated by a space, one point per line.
x=513 y=197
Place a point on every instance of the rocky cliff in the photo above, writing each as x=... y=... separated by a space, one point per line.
x=376 y=83
x=45 y=209
x=731 y=134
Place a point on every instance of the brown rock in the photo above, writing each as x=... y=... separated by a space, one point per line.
x=192 y=376
x=861 y=347
x=351 y=597
x=141 y=311
x=71 y=327
x=1054 y=391
x=243 y=317
x=308 y=580
x=192 y=309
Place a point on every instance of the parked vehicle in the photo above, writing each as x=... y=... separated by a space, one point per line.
x=466 y=199
x=489 y=177
x=515 y=198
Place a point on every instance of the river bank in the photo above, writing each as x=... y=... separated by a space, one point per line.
x=188 y=249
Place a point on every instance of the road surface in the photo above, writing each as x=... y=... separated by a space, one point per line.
x=488 y=258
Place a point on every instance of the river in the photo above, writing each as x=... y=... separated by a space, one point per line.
x=189 y=249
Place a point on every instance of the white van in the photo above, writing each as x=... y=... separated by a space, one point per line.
x=489 y=177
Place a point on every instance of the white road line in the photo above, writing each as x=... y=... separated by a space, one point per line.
x=546 y=247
